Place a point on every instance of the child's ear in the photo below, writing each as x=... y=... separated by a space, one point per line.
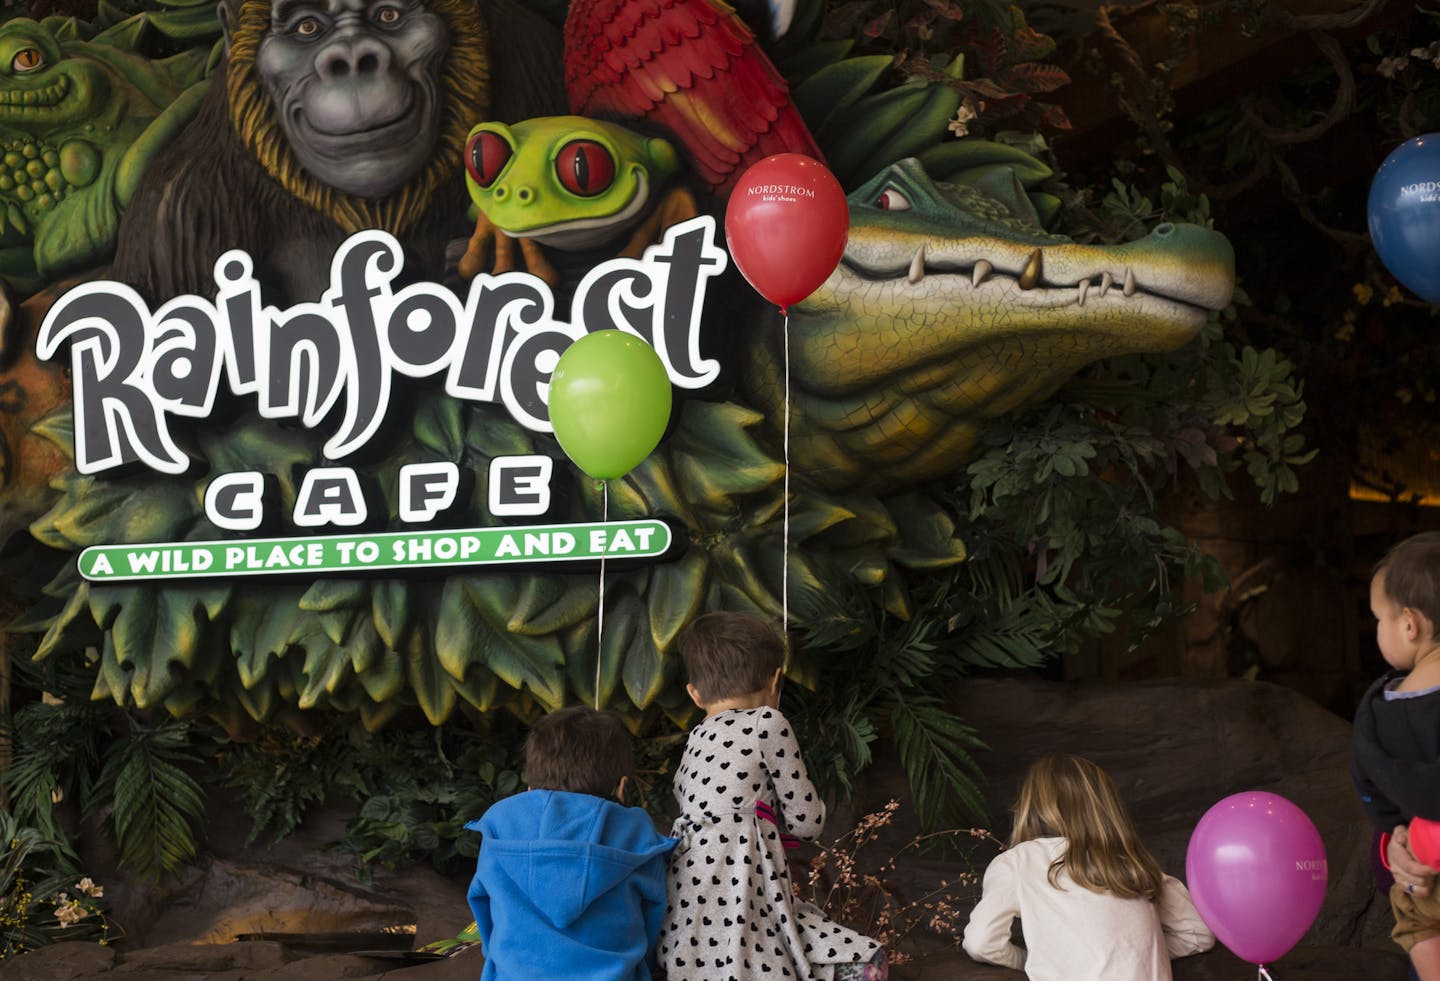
x=695 y=696
x=620 y=789
x=1418 y=626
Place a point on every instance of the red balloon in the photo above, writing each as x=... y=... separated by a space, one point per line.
x=786 y=225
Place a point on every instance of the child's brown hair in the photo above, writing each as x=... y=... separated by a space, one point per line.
x=730 y=654
x=580 y=750
x=1072 y=798
x=1412 y=575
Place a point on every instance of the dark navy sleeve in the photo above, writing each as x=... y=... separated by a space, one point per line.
x=1392 y=789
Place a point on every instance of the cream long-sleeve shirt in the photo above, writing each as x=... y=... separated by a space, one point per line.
x=1072 y=933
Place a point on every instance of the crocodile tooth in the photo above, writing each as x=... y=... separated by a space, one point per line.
x=17 y=219
x=1106 y=281
x=1129 y=289
x=1030 y=278
x=917 y=266
x=981 y=272
x=1084 y=286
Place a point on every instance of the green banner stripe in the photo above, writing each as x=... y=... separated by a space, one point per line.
x=368 y=553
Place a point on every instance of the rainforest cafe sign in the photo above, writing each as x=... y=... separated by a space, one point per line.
x=135 y=370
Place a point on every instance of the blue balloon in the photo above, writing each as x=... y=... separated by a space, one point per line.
x=1404 y=214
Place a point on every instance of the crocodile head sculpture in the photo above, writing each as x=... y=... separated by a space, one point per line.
x=952 y=305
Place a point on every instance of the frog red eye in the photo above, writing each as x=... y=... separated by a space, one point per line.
x=486 y=155
x=27 y=60
x=585 y=167
x=892 y=200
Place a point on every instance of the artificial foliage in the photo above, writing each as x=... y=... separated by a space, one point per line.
x=1048 y=536
x=43 y=897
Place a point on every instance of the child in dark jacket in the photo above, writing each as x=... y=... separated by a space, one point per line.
x=570 y=883
x=1396 y=742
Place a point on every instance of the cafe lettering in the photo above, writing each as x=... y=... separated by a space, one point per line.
x=135 y=371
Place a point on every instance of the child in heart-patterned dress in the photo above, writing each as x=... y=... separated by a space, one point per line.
x=732 y=912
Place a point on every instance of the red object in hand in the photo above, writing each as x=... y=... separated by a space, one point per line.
x=1425 y=841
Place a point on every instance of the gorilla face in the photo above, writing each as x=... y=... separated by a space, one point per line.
x=356 y=87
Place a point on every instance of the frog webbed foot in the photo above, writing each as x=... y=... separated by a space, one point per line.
x=491 y=250
x=676 y=206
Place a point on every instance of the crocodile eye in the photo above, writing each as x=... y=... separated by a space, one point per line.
x=892 y=200
x=486 y=156
x=584 y=167
x=27 y=60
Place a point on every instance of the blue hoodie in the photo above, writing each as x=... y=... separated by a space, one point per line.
x=568 y=886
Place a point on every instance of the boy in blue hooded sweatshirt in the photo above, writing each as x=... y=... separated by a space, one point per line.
x=570 y=883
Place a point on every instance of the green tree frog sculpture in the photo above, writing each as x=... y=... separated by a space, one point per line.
x=568 y=183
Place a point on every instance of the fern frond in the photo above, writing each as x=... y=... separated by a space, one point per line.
x=158 y=807
x=934 y=748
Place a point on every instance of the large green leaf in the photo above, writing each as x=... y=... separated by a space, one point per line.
x=73 y=628
x=472 y=629
x=647 y=670
x=327 y=666
x=338 y=603
x=84 y=504
x=835 y=88
x=676 y=595
x=428 y=680
x=549 y=604
x=155 y=631
x=385 y=678
x=261 y=445
x=395 y=611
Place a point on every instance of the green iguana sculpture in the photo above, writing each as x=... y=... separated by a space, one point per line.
x=80 y=119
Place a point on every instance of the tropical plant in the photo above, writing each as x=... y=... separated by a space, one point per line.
x=413 y=789
x=108 y=762
x=43 y=898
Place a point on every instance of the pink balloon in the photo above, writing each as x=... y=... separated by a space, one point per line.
x=1256 y=868
x=786 y=224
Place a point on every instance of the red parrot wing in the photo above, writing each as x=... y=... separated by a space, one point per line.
x=693 y=67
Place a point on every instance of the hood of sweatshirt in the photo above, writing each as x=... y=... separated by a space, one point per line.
x=565 y=851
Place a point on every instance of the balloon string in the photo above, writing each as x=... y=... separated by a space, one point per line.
x=1264 y=974
x=785 y=507
x=600 y=617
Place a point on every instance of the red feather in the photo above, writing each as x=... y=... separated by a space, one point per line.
x=691 y=66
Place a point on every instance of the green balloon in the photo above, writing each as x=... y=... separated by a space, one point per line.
x=609 y=402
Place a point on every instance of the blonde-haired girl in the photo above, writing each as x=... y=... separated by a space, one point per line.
x=1092 y=901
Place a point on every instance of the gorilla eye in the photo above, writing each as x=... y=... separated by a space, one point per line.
x=585 y=167
x=892 y=200
x=486 y=156
x=308 y=27
x=27 y=60
x=388 y=15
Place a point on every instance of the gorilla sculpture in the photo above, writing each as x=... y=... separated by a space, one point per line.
x=329 y=116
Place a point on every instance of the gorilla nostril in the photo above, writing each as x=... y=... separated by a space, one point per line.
x=367 y=64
